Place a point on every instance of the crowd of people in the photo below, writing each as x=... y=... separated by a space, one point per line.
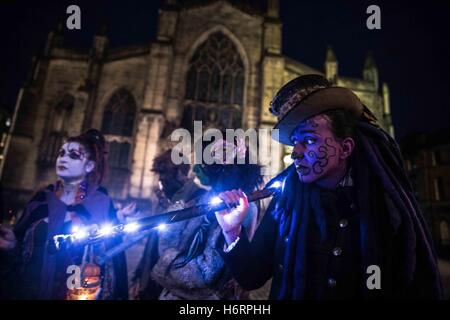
x=345 y=207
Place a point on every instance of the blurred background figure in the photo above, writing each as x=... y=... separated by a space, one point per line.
x=182 y=261
x=175 y=188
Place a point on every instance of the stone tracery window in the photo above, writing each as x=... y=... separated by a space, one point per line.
x=118 y=117
x=58 y=126
x=215 y=84
x=117 y=126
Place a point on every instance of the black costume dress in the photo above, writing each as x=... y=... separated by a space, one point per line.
x=31 y=271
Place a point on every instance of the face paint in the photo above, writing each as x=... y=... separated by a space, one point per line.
x=316 y=151
x=72 y=162
x=73 y=154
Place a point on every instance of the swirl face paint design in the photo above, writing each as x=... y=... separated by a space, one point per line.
x=316 y=150
x=325 y=152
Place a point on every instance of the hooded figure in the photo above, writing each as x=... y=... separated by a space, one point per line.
x=347 y=224
x=181 y=261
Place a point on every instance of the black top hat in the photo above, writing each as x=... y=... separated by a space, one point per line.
x=305 y=97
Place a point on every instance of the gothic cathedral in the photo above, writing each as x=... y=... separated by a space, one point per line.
x=215 y=61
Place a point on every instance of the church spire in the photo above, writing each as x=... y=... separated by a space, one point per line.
x=167 y=22
x=272 y=28
x=273 y=9
x=331 y=65
x=370 y=72
x=370 y=62
x=100 y=41
x=55 y=38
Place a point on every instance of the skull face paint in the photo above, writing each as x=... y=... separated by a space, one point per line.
x=317 y=152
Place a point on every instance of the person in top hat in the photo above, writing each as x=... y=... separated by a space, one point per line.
x=347 y=224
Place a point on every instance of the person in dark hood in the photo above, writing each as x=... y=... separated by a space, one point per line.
x=175 y=190
x=347 y=224
x=182 y=260
x=76 y=201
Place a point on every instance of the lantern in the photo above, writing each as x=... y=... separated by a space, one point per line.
x=90 y=279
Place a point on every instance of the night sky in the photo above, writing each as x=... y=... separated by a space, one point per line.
x=411 y=50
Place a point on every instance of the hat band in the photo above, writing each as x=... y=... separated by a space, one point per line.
x=295 y=98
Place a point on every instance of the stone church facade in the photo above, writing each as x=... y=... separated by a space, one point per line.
x=216 y=61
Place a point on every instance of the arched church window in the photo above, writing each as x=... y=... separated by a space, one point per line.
x=215 y=85
x=58 y=126
x=118 y=117
x=117 y=126
x=118 y=154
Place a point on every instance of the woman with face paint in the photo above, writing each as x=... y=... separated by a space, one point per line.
x=76 y=200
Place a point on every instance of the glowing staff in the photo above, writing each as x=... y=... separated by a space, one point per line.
x=85 y=236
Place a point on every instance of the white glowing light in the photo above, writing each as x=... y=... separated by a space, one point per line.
x=162 y=227
x=215 y=201
x=75 y=229
x=106 y=230
x=80 y=233
x=131 y=227
x=287 y=159
x=229 y=218
x=276 y=185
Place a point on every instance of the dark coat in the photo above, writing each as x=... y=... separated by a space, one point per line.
x=324 y=260
x=34 y=272
x=205 y=277
x=333 y=264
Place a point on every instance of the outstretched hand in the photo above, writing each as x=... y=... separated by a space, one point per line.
x=127 y=212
